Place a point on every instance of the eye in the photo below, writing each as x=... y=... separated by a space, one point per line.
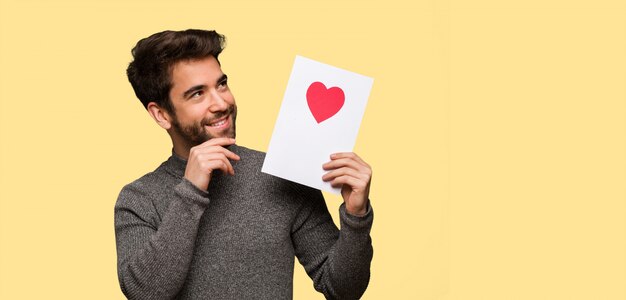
x=222 y=85
x=196 y=94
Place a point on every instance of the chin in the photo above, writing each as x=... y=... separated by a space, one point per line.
x=227 y=133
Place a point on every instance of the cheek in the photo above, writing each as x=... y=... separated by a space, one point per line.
x=193 y=113
x=228 y=97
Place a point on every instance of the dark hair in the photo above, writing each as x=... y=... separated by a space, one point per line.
x=153 y=57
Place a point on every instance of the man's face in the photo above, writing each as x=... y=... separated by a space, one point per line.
x=205 y=107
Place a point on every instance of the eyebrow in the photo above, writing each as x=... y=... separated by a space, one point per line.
x=201 y=87
x=222 y=79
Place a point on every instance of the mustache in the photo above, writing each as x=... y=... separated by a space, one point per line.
x=229 y=111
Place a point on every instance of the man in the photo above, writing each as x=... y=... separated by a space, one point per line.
x=207 y=223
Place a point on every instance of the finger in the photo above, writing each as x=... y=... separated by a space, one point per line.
x=217 y=161
x=213 y=149
x=219 y=156
x=353 y=155
x=354 y=183
x=346 y=162
x=214 y=165
x=344 y=172
x=222 y=141
x=226 y=152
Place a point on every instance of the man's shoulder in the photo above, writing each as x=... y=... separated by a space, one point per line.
x=145 y=181
x=152 y=183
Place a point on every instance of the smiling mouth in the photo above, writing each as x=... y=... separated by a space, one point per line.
x=219 y=123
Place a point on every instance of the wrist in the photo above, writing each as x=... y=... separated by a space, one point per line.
x=198 y=183
x=357 y=211
x=354 y=224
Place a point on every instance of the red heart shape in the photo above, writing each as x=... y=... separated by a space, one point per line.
x=324 y=103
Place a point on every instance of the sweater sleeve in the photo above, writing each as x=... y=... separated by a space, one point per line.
x=338 y=261
x=154 y=259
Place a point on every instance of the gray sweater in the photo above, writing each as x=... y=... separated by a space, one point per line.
x=236 y=241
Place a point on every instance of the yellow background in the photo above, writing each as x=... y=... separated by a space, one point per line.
x=496 y=129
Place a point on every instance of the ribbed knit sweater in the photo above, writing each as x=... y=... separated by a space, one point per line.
x=238 y=240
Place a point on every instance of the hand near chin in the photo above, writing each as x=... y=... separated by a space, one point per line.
x=348 y=171
x=208 y=157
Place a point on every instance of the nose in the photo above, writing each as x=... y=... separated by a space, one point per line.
x=217 y=102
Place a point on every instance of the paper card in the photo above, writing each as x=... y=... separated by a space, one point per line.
x=320 y=115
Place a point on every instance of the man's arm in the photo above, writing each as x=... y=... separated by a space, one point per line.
x=153 y=262
x=338 y=264
x=338 y=261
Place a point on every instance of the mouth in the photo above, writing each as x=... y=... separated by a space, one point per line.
x=220 y=123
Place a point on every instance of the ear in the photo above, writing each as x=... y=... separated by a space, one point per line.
x=160 y=115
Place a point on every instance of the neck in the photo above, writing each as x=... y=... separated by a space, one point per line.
x=180 y=147
x=182 y=152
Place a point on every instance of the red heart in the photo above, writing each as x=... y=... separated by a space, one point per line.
x=324 y=103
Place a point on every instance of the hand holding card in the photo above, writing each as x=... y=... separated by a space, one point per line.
x=320 y=115
x=354 y=176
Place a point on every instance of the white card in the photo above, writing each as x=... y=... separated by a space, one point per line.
x=320 y=115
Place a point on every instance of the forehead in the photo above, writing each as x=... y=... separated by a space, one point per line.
x=191 y=72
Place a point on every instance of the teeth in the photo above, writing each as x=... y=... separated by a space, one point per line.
x=220 y=123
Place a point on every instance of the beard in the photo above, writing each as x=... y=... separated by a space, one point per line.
x=195 y=134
